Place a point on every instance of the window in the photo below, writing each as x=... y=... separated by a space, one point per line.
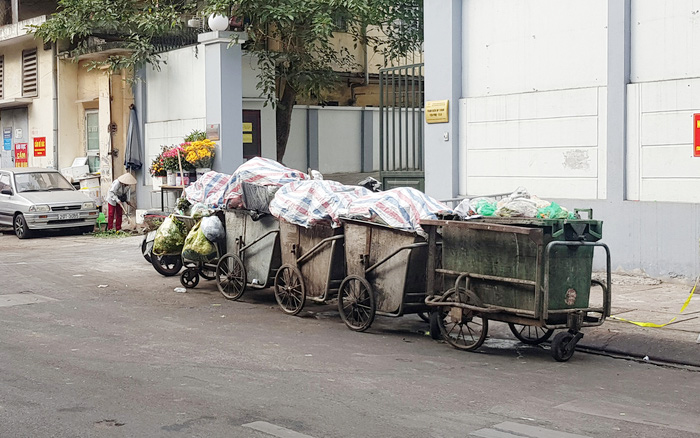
x=29 y=73
x=5 y=181
x=92 y=139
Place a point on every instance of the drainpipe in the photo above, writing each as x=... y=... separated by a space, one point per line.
x=54 y=78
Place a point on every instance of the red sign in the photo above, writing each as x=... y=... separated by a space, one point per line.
x=21 y=155
x=39 y=146
x=696 y=135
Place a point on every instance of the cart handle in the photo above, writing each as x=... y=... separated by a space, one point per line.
x=240 y=251
x=313 y=250
x=385 y=259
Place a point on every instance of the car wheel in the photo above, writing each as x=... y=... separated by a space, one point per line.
x=20 y=226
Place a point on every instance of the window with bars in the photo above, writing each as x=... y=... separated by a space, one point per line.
x=29 y=73
x=2 y=77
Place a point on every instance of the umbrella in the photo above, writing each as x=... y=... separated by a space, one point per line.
x=133 y=161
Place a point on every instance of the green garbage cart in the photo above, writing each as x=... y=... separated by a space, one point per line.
x=534 y=274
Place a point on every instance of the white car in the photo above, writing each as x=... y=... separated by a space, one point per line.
x=33 y=198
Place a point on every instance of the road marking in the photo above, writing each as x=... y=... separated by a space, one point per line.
x=274 y=430
x=515 y=430
x=20 y=299
x=642 y=415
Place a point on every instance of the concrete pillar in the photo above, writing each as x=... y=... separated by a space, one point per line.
x=443 y=80
x=224 y=96
x=619 y=36
x=312 y=145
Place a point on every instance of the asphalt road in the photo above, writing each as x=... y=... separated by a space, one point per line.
x=107 y=348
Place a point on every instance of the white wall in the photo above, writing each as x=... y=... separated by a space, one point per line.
x=521 y=46
x=295 y=155
x=665 y=40
x=534 y=97
x=339 y=139
x=663 y=96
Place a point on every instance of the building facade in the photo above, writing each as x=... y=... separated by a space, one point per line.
x=589 y=103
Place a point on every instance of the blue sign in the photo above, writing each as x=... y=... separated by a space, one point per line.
x=7 y=139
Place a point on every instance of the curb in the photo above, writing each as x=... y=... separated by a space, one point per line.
x=639 y=346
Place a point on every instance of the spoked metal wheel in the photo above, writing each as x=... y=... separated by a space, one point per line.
x=290 y=292
x=207 y=271
x=189 y=278
x=462 y=328
x=530 y=334
x=231 y=276
x=356 y=303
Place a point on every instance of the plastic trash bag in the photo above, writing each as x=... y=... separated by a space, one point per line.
x=483 y=206
x=520 y=207
x=170 y=237
x=212 y=228
x=199 y=210
x=553 y=211
x=197 y=248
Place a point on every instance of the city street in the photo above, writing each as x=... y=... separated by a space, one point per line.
x=94 y=342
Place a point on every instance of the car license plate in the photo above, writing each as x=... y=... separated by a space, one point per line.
x=66 y=216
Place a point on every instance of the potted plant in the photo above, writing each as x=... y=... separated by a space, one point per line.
x=158 y=171
x=200 y=154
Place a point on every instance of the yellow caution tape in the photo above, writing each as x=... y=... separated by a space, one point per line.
x=651 y=324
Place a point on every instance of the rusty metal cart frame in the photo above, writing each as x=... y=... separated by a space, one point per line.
x=313 y=265
x=386 y=273
x=463 y=306
x=253 y=257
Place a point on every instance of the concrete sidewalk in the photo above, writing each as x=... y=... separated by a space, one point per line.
x=648 y=300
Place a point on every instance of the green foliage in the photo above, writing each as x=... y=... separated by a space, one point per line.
x=195 y=135
x=130 y=25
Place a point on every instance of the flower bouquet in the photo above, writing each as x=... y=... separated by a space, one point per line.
x=200 y=153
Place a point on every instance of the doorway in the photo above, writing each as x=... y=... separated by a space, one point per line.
x=13 y=125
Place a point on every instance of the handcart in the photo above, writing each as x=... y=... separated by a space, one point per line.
x=534 y=274
x=253 y=253
x=313 y=265
x=386 y=271
x=197 y=268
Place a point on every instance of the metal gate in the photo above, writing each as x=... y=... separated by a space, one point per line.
x=401 y=103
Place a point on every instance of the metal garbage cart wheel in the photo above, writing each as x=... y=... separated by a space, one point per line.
x=189 y=278
x=231 y=276
x=530 y=334
x=356 y=303
x=207 y=271
x=290 y=291
x=563 y=346
x=424 y=316
x=463 y=328
x=167 y=265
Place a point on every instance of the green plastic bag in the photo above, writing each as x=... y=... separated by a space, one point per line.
x=170 y=237
x=553 y=211
x=197 y=248
x=485 y=207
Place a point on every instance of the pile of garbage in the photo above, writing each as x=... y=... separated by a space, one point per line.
x=519 y=204
x=219 y=190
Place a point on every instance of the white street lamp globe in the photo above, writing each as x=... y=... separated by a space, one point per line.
x=218 y=22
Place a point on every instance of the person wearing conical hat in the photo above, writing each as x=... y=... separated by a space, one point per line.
x=118 y=193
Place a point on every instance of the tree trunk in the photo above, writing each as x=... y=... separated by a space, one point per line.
x=283 y=118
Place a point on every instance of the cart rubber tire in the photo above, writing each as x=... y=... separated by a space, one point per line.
x=19 y=224
x=356 y=303
x=424 y=316
x=530 y=334
x=231 y=276
x=167 y=265
x=189 y=278
x=562 y=350
x=435 y=324
x=207 y=271
x=290 y=291
x=475 y=332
